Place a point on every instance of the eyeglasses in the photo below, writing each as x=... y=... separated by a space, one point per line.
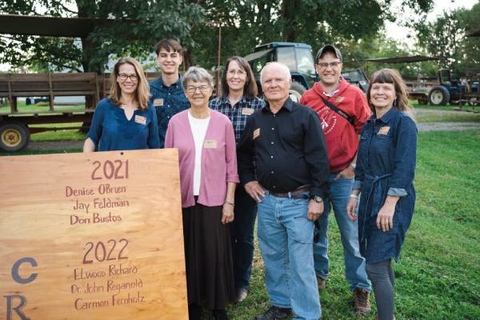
x=202 y=88
x=325 y=65
x=124 y=77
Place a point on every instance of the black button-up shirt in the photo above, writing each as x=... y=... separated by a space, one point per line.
x=288 y=148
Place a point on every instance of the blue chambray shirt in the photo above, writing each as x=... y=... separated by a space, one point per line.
x=168 y=101
x=385 y=166
x=388 y=146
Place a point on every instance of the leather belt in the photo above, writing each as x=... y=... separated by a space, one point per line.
x=298 y=193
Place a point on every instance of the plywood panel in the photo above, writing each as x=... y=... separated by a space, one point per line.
x=92 y=236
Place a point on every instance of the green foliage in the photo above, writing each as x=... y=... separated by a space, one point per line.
x=441 y=37
x=138 y=26
x=445 y=37
x=471 y=44
x=244 y=24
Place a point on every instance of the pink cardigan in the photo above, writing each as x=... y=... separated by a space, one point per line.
x=219 y=159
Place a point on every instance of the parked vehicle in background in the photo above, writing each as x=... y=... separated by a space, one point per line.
x=298 y=57
x=18 y=122
x=453 y=91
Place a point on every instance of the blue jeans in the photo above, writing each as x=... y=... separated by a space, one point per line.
x=355 y=268
x=285 y=236
x=241 y=233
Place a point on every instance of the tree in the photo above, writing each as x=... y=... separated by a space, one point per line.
x=443 y=38
x=447 y=37
x=138 y=26
x=469 y=20
x=247 y=23
x=243 y=24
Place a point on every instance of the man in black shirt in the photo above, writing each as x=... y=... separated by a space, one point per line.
x=284 y=167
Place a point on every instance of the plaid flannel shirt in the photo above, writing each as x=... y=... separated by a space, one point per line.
x=238 y=114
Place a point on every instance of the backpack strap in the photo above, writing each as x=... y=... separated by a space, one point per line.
x=338 y=110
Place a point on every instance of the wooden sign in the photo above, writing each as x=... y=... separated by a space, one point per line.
x=92 y=236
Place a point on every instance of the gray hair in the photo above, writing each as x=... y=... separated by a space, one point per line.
x=197 y=74
x=282 y=68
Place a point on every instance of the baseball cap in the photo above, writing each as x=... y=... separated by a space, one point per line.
x=328 y=48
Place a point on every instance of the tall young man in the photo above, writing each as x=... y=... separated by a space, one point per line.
x=166 y=91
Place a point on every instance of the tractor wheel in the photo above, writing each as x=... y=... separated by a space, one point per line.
x=14 y=136
x=438 y=96
x=296 y=91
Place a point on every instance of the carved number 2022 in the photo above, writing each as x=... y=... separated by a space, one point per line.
x=116 y=169
x=100 y=251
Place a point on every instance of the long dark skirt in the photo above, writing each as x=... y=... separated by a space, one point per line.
x=208 y=255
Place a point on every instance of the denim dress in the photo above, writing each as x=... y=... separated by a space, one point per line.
x=385 y=166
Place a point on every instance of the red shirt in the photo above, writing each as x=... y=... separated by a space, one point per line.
x=341 y=136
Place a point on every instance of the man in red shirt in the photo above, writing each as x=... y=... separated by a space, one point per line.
x=343 y=109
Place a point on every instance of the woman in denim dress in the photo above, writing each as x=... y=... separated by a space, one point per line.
x=383 y=186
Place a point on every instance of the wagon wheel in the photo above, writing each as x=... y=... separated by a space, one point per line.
x=14 y=136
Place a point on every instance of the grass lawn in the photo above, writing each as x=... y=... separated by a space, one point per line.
x=438 y=275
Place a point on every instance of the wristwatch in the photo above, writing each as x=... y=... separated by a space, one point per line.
x=317 y=199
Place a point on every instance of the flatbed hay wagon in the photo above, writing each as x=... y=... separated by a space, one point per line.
x=17 y=121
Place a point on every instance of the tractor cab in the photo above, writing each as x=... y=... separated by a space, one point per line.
x=297 y=56
x=299 y=59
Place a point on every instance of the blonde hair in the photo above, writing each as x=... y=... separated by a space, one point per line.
x=392 y=76
x=142 y=93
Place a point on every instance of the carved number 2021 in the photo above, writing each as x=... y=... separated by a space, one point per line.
x=100 y=251
x=116 y=169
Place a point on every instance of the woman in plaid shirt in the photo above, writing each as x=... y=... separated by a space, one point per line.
x=238 y=101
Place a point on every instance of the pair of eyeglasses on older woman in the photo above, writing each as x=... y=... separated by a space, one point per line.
x=203 y=89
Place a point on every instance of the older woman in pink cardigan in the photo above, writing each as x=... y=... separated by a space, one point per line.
x=208 y=176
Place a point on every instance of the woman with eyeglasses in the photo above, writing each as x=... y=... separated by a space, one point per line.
x=238 y=101
x=125 y=120
x=208 y=176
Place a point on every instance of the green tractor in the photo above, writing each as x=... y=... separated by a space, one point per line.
x=298 y=57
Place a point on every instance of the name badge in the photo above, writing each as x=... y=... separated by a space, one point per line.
x=140 y=119
x=256 y=133
x=210 y=144
x=384 y=130
x=247 y=111
x=158 y=102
